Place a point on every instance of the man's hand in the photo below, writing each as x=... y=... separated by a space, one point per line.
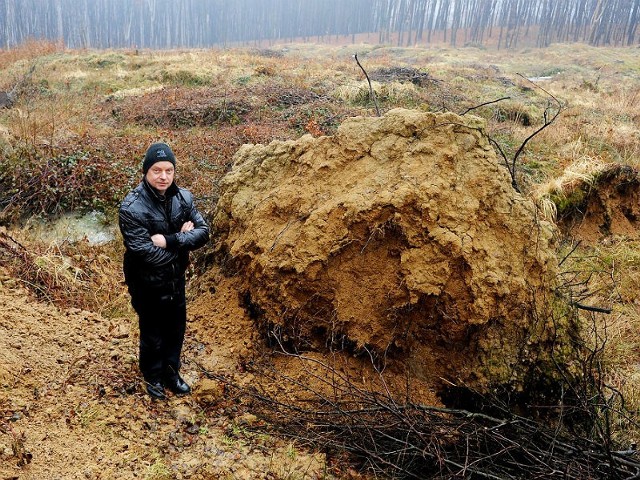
x=159 y=240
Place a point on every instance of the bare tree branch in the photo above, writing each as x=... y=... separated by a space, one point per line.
x=483 y=104
x=549 y=116
x=372 y=94
x=409 y=440
x=591 y=309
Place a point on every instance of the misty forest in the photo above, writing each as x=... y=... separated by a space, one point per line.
x=204 y=23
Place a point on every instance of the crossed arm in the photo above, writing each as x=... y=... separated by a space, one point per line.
x=160 y=241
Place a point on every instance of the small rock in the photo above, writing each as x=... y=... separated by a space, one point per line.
x=209 y=391
x=15 y=417
x=246 y=419
x=182 y=414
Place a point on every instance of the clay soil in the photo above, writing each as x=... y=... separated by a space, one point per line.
x=399 y=235
x=611 y=208
x=72 y=406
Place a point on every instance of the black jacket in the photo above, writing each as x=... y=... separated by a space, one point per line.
x=149 y=269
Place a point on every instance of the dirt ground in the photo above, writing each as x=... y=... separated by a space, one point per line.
x=72 y=406
x=612 y=208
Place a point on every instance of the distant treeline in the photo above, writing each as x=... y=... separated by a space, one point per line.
x=202 y=23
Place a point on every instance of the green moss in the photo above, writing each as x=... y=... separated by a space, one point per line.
x=549 y=72
x=566 y=203
x=243 y=80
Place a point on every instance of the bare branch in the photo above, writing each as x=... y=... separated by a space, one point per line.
x=547 y=120
x=591 y=309
x=372 y=94
x=483 y=104
x=570 y=253
x=388 y=438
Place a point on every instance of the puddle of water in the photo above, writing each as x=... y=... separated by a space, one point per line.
x=71 y=228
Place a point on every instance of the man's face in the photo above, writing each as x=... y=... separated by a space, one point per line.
x=160 y=176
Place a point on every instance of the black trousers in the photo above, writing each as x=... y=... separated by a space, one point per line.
x=162 y=319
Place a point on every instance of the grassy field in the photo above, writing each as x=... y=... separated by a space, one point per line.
x=75 y=137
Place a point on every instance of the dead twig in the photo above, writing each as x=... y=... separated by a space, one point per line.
x=483 y=105
x=590 y=308
x=387 y=437
x=372 y=94
x=549 y=116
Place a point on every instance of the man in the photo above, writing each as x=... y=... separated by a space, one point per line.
x=160 y=225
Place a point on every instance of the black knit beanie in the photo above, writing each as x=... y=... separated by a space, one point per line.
x=157 y=152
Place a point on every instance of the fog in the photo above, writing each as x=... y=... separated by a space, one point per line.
x=205 y=23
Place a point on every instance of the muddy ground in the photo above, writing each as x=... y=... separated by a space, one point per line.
x=72 y=406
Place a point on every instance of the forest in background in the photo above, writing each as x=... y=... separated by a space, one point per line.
x=203 y=23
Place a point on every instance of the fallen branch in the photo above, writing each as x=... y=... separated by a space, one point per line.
x=388 y=438
x=483 y=105
x=591 y=309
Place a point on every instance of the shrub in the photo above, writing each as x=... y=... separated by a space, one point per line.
x=34 y=183
x=28 y=50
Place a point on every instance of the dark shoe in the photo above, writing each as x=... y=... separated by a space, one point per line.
x=156 y=390
x=177 y=385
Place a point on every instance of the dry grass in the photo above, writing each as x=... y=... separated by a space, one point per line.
x=358 y=93
x=609 y=274
x=606 y=274
x=558 y=189
x=69 y=273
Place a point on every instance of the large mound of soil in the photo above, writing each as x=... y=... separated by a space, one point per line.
x=400 y=236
